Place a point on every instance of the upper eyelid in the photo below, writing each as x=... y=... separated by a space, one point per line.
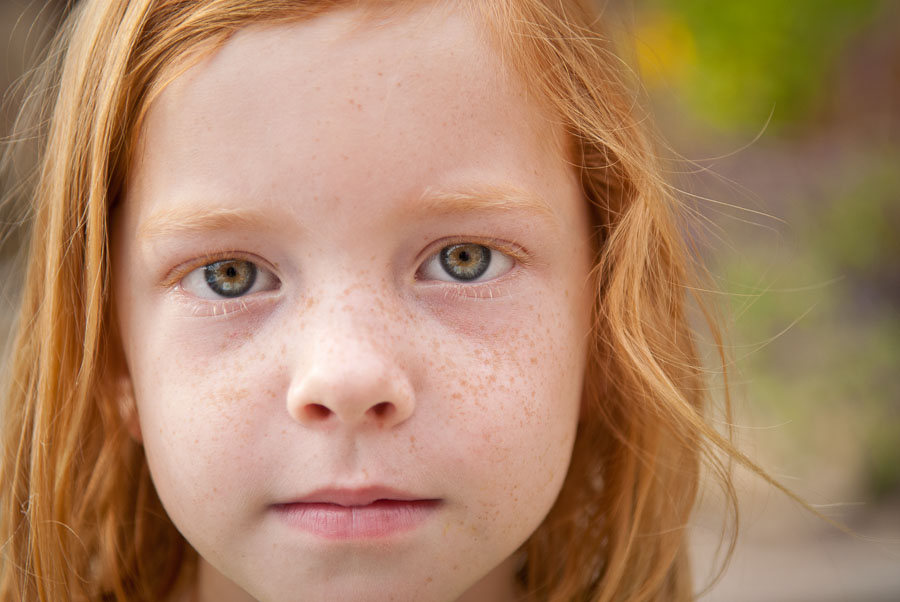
x=178 y=273
x=513 y=249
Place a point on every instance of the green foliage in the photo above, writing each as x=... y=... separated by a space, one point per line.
x=859 y=229
x=760 y=57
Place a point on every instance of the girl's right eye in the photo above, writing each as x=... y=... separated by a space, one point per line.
x=228 y=279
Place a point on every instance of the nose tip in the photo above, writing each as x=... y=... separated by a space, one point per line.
x=382 y=398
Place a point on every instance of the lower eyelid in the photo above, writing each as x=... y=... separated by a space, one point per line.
x=205 y=308
x=486 y=292
x=488 y=289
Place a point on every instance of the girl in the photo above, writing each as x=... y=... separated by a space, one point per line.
x=350 y=301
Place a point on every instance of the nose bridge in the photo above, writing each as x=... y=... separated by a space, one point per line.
x=352 y=371
x=359 y=314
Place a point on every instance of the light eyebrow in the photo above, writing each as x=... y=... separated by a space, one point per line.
x=190 y=219
x=186 y=220
x=486 y=198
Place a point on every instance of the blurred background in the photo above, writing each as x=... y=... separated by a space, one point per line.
x=783 y=122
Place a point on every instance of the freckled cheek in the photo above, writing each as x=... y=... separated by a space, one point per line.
x=514 y=397
x=202 y=420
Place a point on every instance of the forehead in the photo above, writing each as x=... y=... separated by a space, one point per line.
x=332 y=93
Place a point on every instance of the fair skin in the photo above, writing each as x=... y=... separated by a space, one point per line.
x=339 y=411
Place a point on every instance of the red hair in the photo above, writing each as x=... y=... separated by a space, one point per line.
x=79 y=516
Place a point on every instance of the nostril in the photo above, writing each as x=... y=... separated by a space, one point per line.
x=315 y=411
x=382 y=410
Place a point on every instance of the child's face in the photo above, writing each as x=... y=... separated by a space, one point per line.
x=351 y=266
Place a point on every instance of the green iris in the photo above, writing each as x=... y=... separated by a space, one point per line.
x=465 y=261
x=230 y=277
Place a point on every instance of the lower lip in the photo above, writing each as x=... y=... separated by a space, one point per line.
x=379 y=519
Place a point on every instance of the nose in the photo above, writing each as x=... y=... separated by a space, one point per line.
x=352 y=381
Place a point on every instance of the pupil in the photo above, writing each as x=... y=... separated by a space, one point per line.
x=231 y=272
x=464 y=256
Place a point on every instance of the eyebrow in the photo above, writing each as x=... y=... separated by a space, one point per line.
x=485 y=198
x=186 y=220
x=189 y=219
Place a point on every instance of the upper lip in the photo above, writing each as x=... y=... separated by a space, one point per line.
x=361 y=496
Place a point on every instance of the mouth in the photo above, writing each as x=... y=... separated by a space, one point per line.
x=357 y=514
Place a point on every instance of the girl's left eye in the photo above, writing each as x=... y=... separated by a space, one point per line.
x=466 y=262
x=228 y=279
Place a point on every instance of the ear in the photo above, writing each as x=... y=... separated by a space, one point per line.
x=121 y=387
x=127 y=404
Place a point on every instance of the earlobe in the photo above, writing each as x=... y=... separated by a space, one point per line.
x=127 y=404
x=120 y=383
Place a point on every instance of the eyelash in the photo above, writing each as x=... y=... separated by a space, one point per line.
x=453 y=290
x=179 y=272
